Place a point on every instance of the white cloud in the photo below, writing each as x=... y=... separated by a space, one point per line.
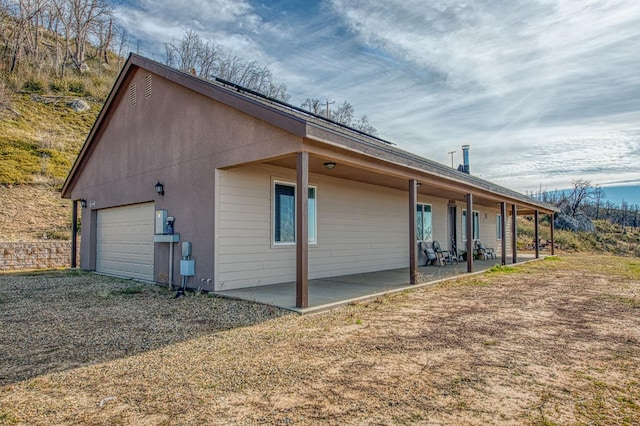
x=230 y=23
x=544 y=91
x=522 y=82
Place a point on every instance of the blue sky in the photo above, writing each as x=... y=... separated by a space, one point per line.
x=544 y=91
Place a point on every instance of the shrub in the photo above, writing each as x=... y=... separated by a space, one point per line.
x=33 y=85
x=58 y=86
x=77 y=86
x=18 y=164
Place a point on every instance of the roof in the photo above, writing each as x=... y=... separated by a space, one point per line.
x=298 y=121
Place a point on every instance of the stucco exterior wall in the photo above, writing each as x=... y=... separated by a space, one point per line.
x=177 y=137
x=361 y=228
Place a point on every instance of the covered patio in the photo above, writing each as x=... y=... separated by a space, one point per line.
x=328 y=293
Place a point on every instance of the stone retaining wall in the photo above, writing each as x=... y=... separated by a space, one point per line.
x=15 y=256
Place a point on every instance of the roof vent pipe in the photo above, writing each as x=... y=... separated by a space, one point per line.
x=464 y=167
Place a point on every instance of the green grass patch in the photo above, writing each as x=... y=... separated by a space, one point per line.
x=633 y=269
x=131 y=290
x=501 y=269
x=19 y=162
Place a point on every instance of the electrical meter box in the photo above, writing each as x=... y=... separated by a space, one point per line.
x=186 y=249
x=161 y=222
x=187 y=268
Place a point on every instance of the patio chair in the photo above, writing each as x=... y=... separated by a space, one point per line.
x=453 y=252
x=430 y=253
x=483 y=252
x=490 y=251
x=444 y=256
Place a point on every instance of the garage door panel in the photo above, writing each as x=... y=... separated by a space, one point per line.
x=124 y=244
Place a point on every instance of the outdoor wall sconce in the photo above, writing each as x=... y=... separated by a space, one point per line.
x=418 y=184
x=330 y=165
x=83 y=203
x=160 y=188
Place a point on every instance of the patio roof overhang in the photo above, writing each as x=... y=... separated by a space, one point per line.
x=388 y=170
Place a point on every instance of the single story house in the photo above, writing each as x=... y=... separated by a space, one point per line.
x=265 y=192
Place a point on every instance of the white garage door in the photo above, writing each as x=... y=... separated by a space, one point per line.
x=124 y=243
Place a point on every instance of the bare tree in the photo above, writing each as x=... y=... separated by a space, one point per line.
x=24 y=14
x=122 y=37
x=81 y=19
x=344 y=114
x=599 y=194
x=624 y=212
x=208 y=60
x=183 y=54
x=104 y=31
x=364 y=126
x=581 y=192
x=313 y=105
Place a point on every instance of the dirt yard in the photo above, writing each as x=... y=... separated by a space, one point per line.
x=551 y=342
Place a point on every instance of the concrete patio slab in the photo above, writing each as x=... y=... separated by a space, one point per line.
x=327 y=293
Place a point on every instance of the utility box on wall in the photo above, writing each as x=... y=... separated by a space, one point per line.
x=187 y=268
x=161 y=222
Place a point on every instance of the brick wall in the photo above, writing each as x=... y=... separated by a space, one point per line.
x=35 y=255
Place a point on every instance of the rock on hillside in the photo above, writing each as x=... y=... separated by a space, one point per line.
x=579 y=222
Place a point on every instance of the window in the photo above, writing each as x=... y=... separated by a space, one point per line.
x=498 y=227
x=284 y=214
x=423 y=217
x=476 y=225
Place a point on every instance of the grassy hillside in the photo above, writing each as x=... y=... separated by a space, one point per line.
x=40 y=136
x=608 y=238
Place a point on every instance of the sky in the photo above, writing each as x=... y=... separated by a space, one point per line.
x=543 y=91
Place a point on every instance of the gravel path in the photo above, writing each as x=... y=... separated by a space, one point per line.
x=54 y=321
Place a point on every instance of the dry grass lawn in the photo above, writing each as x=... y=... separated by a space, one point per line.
x=550 y=342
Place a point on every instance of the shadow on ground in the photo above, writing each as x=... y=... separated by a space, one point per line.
x=58 y=320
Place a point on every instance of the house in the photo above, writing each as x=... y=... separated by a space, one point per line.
x=264 y=192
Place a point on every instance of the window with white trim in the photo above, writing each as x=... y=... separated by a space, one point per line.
x=423 y=219
x=284 y=213
x=498 y=227
x=476 y=225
